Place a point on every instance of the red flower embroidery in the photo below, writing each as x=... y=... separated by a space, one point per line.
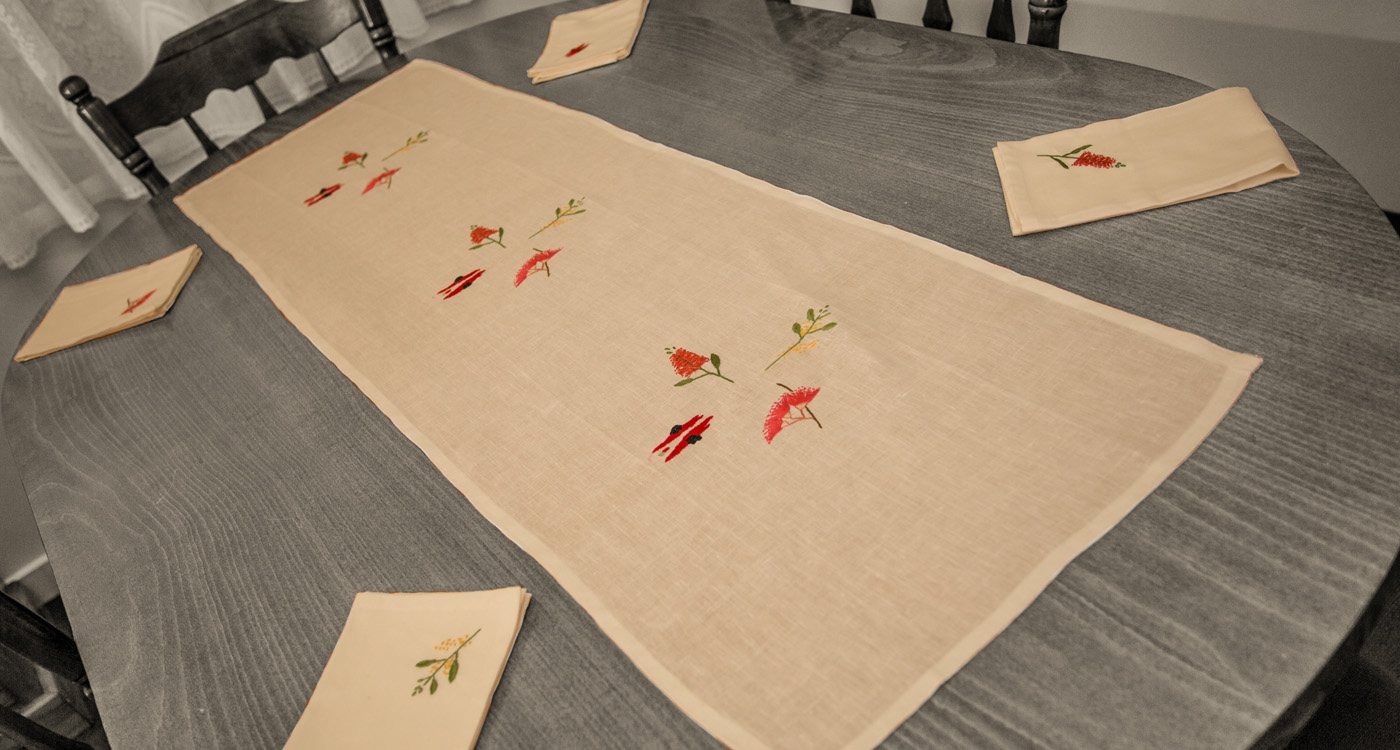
x=386 y=177
x=793 y=407
x=1085 y=158
x=133 y=305
x=537 y=262
x=1091 y=159
x=683 y=435
x=460 y=283
x=576 y=50
x=324 y=194
x=687 y=363
x=481 y=236
x=352 y=158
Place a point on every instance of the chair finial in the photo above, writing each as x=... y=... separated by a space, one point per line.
x=74 y=89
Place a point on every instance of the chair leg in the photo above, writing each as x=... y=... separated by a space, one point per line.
x=1000 y=24
x=31 y=734
x=863 y=8
x=937 y=15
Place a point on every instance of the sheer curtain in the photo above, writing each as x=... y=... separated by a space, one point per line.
x=53 y=171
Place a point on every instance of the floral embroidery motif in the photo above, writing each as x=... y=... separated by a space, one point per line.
x=576 y=50
x=422 y=137
x=1085 y=158
x=324 y=194
x=537 y=262
x=793 y=407
x=448 y=663
x=563 y=215
x=460 y=283
x=386 y=177
x=687 y=363
x=814 y=317
x=352 y=159
x=682 y=435
x=133 y=305
x=481 y=236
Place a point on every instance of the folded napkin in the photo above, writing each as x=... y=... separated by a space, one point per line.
x=1217 y=143
x=413 y=671
x=588 y=38
x=101 y=307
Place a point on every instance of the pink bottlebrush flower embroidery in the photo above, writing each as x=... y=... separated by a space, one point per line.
x=795 y=406
x=133 y=305
x=386 y=177
x=686 y=363
x=460 y=283
x=446 y=666
x=537 y=262
x=682 y=435
x=352 y=159
x=576 y=50
x=422 y=137
x=1085 y=158
x=814 y=319
x=481 y=236
x=324 y=194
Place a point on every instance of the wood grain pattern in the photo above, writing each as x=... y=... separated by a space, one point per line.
x=212 y=491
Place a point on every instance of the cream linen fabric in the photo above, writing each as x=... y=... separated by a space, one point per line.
x=101 y=307
x=978 y=429
x=392 y=644
x=1216 y=143
x=605 y=33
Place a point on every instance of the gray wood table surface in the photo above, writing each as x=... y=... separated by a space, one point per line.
x=212 y=492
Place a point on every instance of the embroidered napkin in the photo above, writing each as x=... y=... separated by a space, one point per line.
x=101 y=307
x=799 y=465
x=413 y=670
x=1216 y=143
x=589 y=38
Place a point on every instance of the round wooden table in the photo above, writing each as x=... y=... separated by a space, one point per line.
x=212 y=492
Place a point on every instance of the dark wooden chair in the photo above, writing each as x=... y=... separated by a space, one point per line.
x=227 y=51
x=1045 y=19
x=41 y=643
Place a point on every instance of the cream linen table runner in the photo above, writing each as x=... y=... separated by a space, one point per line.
x=799 y=465
x=1216 y=143
x=412 y=671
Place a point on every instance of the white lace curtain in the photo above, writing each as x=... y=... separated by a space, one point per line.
x=53 y=171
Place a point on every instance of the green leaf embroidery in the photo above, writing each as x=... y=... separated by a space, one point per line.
x=425 y=663
x=432 y=686
x=687 y=381
x=714 y=359
x=811 y=314
x=827 y=327
x=797 y=328
x=1081 y=148
x=452 y=673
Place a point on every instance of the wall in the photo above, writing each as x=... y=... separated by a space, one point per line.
x=1329 y=70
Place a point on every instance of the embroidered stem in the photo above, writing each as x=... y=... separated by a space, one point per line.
x=440 y=663
x=813 y=318
x=422 y=137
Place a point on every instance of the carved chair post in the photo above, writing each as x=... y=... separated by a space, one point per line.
x=1045 y=23
x=95 y=113
x=377 y=23
x=1000 y=24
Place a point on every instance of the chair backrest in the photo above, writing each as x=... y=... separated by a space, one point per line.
x=227 y=51
x=38 y=641
x=1045 y=19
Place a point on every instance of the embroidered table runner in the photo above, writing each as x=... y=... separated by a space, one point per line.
x=799 y=465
